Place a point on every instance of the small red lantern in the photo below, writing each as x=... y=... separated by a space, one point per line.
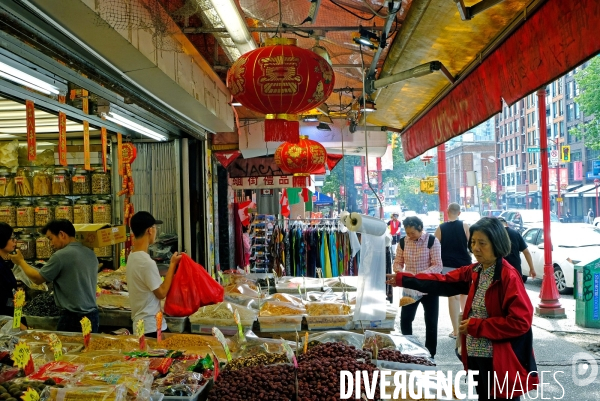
x=281 y=81
x=301 y=159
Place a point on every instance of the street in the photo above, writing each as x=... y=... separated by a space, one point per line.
x=556 y=342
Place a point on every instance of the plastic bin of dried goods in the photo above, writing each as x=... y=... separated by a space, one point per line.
x=64 y=210
x=23 y=183
x=44 y=213
x=7 y=183
x=280 y=316
x=81 y=183
x=43 y=248
x=42 y=183
x=82 y=212
x=221 y=315
x=25 y=214
x=8 y=213
x=102 y=212
x=328 y=315
x=26 y=243
x=176 y=324
x=61 y=182
x=101 y=182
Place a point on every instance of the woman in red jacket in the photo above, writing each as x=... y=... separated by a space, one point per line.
x=497 y=339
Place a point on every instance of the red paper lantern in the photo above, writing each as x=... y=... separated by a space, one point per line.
x=301 y=159
x=281 y=81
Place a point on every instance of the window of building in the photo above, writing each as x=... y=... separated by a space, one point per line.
x=577 y=114
x=554 y=109
x=561 y=107
x=570 y=111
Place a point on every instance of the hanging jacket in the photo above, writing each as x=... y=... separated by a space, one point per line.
x=508 y=325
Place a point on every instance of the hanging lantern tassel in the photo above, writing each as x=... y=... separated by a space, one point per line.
x=282 y=128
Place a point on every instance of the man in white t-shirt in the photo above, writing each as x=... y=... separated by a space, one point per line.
x=146 y=288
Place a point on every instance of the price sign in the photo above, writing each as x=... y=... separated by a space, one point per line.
x=139 y=326
x=30 y=395
x=86 y=329
x=22 y=357
x=159 y=319
x=19 y=301
x=221 y=338
x=55 y=346
x=238 y=321
x=290 y=353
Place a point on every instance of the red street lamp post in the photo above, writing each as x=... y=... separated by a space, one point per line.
x=596 y=182
x=549 y=305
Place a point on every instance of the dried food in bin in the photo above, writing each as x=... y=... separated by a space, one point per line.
x=42 y=305
x=61 y=182
x=256 y=360
x=86 y=393
x=285 y=298
x=327 y=309
x=23 y=183
x=42 y=183
x=274 y=308
x=223 y=311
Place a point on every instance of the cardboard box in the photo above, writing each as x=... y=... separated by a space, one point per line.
x=99 y=235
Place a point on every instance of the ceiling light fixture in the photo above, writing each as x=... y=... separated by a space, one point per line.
x=366 y=38
x=22 y=75
x=311 y=119
x=372 y=85
x=323 y=127
x=235 y=25
x=114 y=114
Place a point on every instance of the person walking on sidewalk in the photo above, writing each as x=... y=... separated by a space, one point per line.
x=517 y=245
x=497 y=340
x=394 y=225
x=454 y=237
x=418 y=253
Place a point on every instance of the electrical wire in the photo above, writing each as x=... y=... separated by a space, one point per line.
x=375 y=13
x=353 y=13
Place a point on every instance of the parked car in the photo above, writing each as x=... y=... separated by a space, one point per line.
x=596 y=221
x=571 y=244
x=492 y=213
x=470 y=217
x=529 y=218
x=430 y=223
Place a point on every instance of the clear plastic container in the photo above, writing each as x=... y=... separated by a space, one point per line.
x=44 y=213
x=42 y=183
x=82 y=212
x=102 y=212
x=101 y=182
x=64 y=210
x=26 y=243
x=8 y=213
x=81 y=182
x=25 y=214
x=330 y=322
x=280 y=323
x=61 y=182
x=43 y=248
x=7 y=183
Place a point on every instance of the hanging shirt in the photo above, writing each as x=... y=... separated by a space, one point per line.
x=267 y=201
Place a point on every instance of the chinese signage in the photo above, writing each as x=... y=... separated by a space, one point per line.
x=564 y=176
x=285 y=181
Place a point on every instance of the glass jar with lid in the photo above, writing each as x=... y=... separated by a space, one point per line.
x=81 y=182
x=26 y=243
x=101 y=181
x=82 y=212
x=64 y=210
x=7 y=183
x=42 y=183
x=43 y=248
x=23 y=182
x=8 y=213
x=25 y=214
x=102 y=212
x=44 y=213
x=61 y=182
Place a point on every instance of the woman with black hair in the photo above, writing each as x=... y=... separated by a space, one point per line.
x=496 y=331
x=8 y=282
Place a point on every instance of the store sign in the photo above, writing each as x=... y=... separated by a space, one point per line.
x=104 y=140
x=86 y=146
x=285 y=181
x=62 y=139
x=255 y=167
x=31 y=142
x=564 y=176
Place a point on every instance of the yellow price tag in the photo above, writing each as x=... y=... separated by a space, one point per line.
x=30 y=395
x=56 y=346
x=19 y=299
x=21 y=355
x=139 y=327
x=86 y=326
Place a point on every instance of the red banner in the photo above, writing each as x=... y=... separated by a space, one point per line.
x=62 y=138
x=120 y=153
x=31 y=143
x=104 y=140
x=86 y=146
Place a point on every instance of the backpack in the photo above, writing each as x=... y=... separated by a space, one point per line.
x=430 y=242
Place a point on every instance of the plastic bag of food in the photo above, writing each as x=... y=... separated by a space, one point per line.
x=9 y=154
x=327 y=308
x=222 y=314
x=103 y=356
x=58 y=371
x=409 y=345
x=243 y=289
x=275 y=308
x=22 y=277
x=285 y=298
x=344 y=337
x=96 y=393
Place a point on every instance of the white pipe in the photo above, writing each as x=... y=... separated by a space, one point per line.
x=185 y=175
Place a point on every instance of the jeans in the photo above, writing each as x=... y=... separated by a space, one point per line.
x=431 y=305
x=71 y=321
x=485 y=366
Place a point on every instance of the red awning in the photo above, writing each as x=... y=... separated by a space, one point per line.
x=557 y=38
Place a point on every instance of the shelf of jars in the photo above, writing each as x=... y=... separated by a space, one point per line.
x=30 y=197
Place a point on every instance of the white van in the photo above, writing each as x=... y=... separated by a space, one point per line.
x=389 y=209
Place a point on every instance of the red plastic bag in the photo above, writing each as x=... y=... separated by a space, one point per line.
x=192 y=288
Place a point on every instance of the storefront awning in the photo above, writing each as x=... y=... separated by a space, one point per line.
x=579 y=191
x=320 y=199
x=533 y=56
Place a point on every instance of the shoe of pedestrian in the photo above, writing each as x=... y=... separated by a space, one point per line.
x=452 y=335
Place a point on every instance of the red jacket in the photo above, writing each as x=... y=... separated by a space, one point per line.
x=508 y=325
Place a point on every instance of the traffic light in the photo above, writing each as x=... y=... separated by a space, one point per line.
x=565 y=154
x=394 y=139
